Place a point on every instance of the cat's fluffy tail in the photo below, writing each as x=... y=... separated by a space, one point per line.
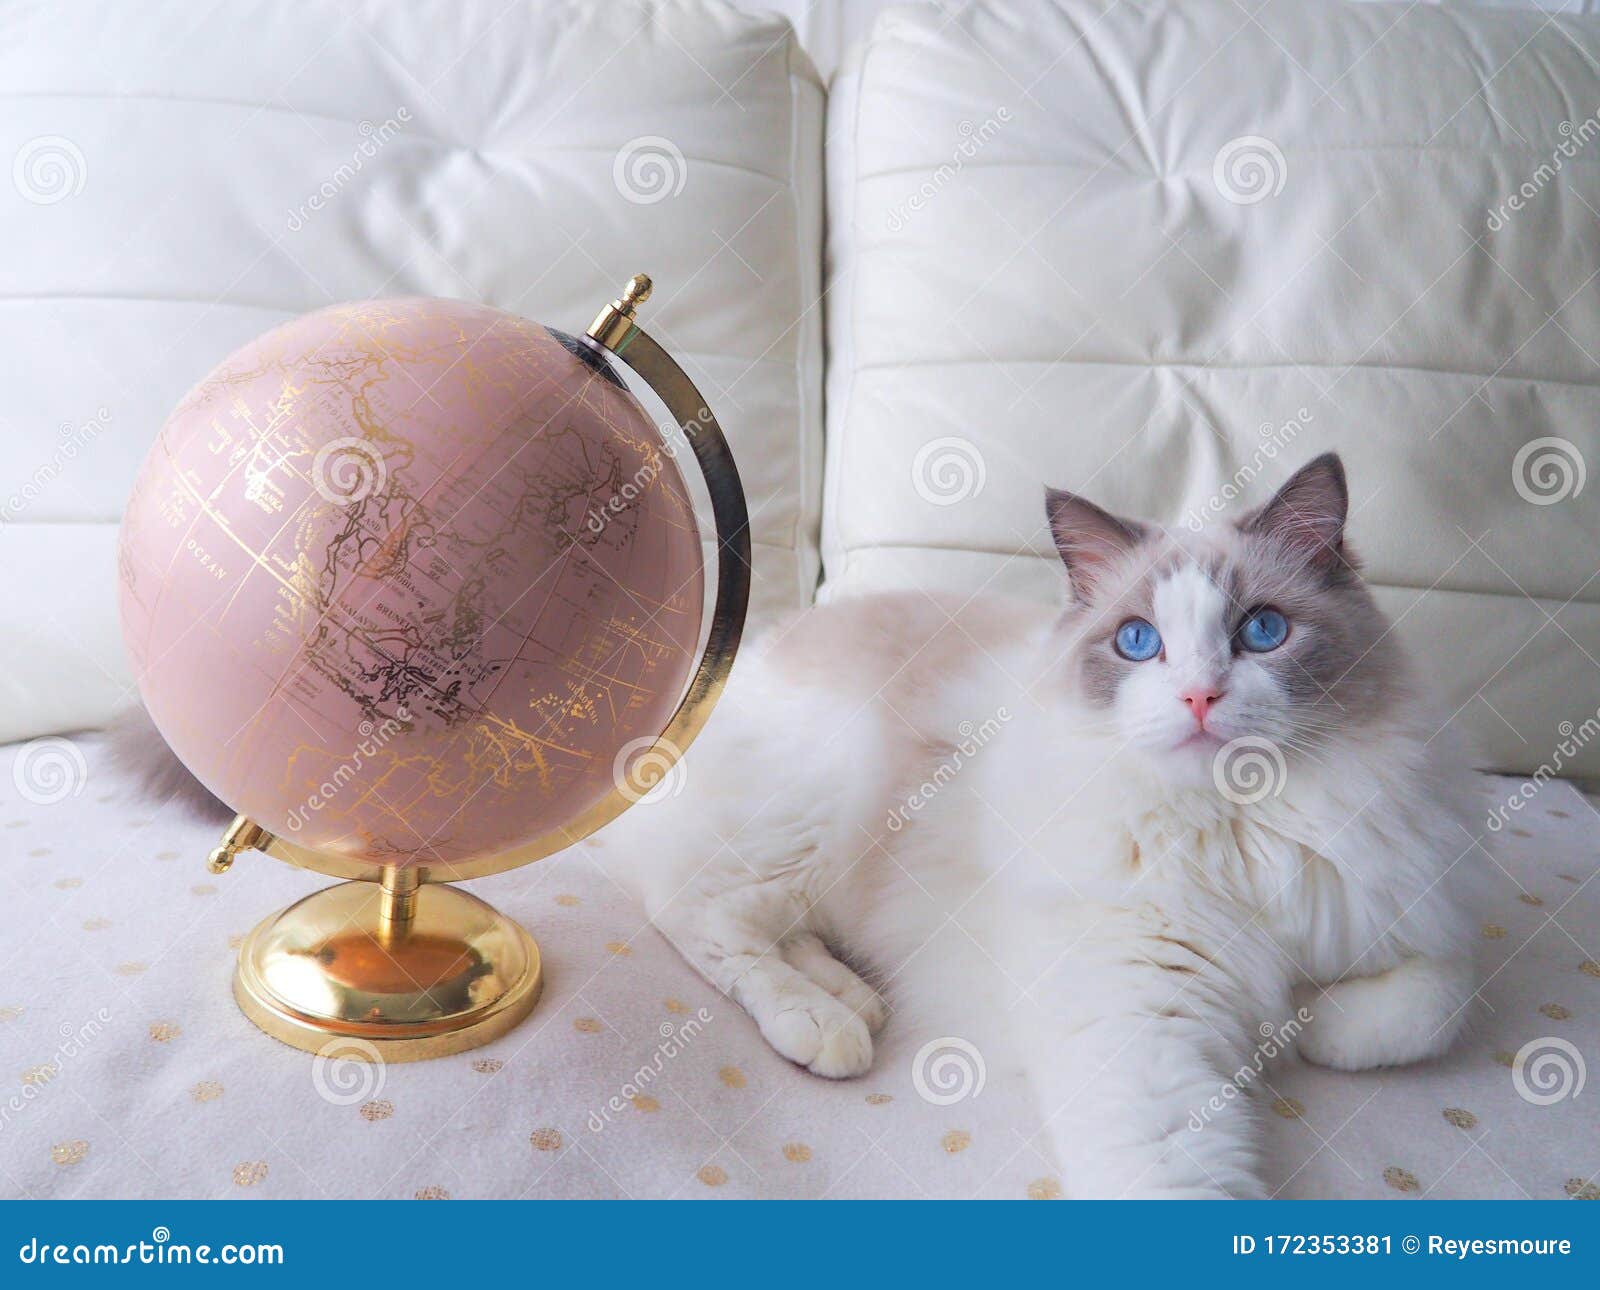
x=139 y=751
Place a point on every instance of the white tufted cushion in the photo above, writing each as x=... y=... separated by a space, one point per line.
x=1032 y=258
x=455 y=147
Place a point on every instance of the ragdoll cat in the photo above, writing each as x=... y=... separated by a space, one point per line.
x=1117 y=848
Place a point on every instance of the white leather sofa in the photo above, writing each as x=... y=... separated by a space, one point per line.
x=1155 y=252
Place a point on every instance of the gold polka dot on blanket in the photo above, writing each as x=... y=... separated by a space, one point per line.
x=9 y=1013
x=732 y=1076
x=372 y=1112
x=956 y=1141
x=96 y=924
x=1460 y=1118
x=1044 y=1189
x=69 y=1153
x=677 y=1005
x=545 y=1139
x=488 y=1065
x=568 y=899
x=1560 y=815
x=1493 y=932
x=39 y=1076
x=39 y=853
x=247 y=1173
x=712 y=1175
x=1528 y=898
x=432 y=1193
x=166 y=855
x=1589 y=967
x=620 y=948
x=68 y=884
x=797 y=1152
x=207 y=1090
x=1520 y=833
x=1506 y=1057
x=1555 y=1011
x=128 y=969
x=644 y=1102
x=1288 y=1108
x=879 y=1099
x=236 y=940
x=1401 y=1179
x=587 y=1025
x=204 y=889
x=1578 y=1189
x=165 y=1031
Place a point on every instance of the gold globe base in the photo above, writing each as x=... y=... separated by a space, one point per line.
x=395 y=971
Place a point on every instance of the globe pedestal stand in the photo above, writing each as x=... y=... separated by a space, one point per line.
x=394 y=970
x=398 y=965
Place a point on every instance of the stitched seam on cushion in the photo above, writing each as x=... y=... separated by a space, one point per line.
x=486 y=149
x=995 y=553
x=1064 y=163
x=831 y=503
x=1155 y=365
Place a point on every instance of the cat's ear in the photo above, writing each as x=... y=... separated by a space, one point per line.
x=1308 y=513
x=1087 y=537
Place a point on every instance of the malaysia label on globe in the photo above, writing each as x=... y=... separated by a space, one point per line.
x=399 y=580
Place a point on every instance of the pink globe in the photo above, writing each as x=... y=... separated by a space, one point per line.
x=409 y=580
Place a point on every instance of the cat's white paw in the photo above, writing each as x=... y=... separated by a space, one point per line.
x=828 y=1039
x=1408 y=1014
x=811 y=958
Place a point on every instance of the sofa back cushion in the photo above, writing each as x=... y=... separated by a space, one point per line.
x=184 y=178
x=1163 y=253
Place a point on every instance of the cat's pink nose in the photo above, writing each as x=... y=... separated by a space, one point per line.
x=1200 y=699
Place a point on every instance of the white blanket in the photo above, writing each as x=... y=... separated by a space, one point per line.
x=129 y=1072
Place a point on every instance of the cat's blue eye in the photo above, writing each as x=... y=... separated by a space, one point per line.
x=1137 y=640
x=1264 y=630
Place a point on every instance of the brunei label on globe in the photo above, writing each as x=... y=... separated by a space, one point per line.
x=399 y=578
